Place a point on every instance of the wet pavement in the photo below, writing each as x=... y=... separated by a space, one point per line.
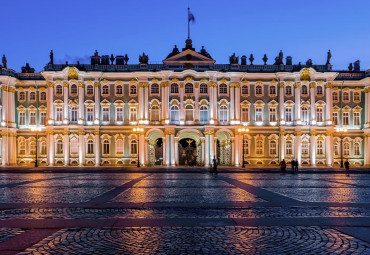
x=184 y=212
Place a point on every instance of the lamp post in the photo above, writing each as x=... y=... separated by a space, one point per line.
x=341 y=131
x=138 y=131
x=36 y=130
x=243 y=131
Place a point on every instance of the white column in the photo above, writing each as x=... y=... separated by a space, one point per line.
x=51 y=148
x=237 y=103
x=97 y=104
x=367 y=150
x=81 y=154
x=297 y=103
x=298 y=147
x=97 y=148
x=215 y=89
x=163 y=100
x=166 y=153
x=5 y=143
x=81 y=117
x=66 y=104
x=142 y=150
x=50 y=104
x=282 y=145
x=312 y=99
x=146 y=103
x=167 y=102
x=66 y=148
x=203 y=151
x=329 y=104
x=232 y=151
x=281 y=103
x=232 y=105
x=367 y=107
x=237 y=149
x=329 y=149
x=176 y=151
x=196 y=108
x=313 y=148
x=4 y=98
x=12 y=108
x=211 y=113
x=13 y=150
x=140 y=100
x=182 y=114
x=172 y=149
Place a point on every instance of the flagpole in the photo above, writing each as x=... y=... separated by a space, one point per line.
x=188 y=23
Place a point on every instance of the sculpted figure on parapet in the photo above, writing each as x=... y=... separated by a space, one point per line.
x=328 y=58
x=234 y=60
x=143 y=59
x=51 y=58
x=4 y=61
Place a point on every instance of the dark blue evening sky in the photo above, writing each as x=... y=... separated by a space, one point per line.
x=74 y=29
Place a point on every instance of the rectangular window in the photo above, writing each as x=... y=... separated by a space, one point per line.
x=59 y=114
x=272 y=114
x=335 y=118
x=90 y=114
x=336 y=149
x=33 y=118
x=74 y=114
x=259 y=117
x=22 y=119
x=356 y=119
x=345 y=118
x=74 y=146
x=288 y=114
x=133 y=114
x=245 y=114
x=43 y=118
x=105 y=111
x=320 y=147
x=289 y=148
x=319 y=115
x=305 y=148
x=119 y=112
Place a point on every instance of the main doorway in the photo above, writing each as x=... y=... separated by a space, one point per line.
x=188 y=152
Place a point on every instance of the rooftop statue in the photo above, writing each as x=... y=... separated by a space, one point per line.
x=27 y=69
x=97 y=58
x=51 y=58
x=309 y=62
x=280 y=58
x=175 y=51
x=243 y=60
x=328 y=58
x=251 y=58
x=112 y=58
x=350 y=67
x=204 y=52
x=264 y=59
x=143 y=59
x=126 y=59
x=4 y=61
x=234 y=60
x=357 y=66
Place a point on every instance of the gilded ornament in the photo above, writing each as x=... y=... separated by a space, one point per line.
x=312 y=85
x=223 y=80
x=65 y=84
x=65 y=133
x=196 y=85
x=72 y=73
x=282 y=84
x=297 y=85
x=174 y=80
x=203 y=80
x=154 y=80
x=189 y=79
x=132 y=81
x=305 y=75
x=81 y=133
x=328 y=85
x=50 y=84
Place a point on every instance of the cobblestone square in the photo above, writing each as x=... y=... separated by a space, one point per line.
x=184 y=211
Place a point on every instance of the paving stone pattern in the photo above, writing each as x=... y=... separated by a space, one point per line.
x=201 y=240
x=6 y=233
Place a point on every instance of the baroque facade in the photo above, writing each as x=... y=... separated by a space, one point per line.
x=188 y=110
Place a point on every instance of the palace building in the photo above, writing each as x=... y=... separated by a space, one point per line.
x=188 y=110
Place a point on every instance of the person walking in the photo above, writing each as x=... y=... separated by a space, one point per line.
x=282 y=166
x=215 y=165
x=293 y=165
x=346 y=165
x=296 y=164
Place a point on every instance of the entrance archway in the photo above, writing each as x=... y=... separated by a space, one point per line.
x=224 y=148
x=187 y=152
x=155 y=148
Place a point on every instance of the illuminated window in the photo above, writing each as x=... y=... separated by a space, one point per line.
x=90 y=147
x=119 y=90
x=189 y=113
x=319 y=91
x=32 y=118
x=59 y=114
x=319 y=115
x=43 y=118
x=246 y=146
x=59 y=147
x=356 y=149
x=106 y=146
x=304 y=90
x=336 y=149
x=335 y=96
x=105 y=113
x=174 y=113
x=43 y=149
x=305 y=148
x=22 y=118
x=119 y=114
x=346 y=149
x=133 y=147
x=320 y=147
x=154 y=89
x=154 y=113
x=345 y=118
x=288 y=90
x=223 y=89
x=288 y=114
x=335 y=118
x=356 y=119
x=105 y=90
x=245 y=90
x=74 y=145
x=21 y=146
x=133 y=114
x=32 y=96
x=189 y=88
x=174 y=88
x=203 y=114
x=119 y=146
x=132 y=90
x=305 y=114
x=272 y=114
x=203 y=88
x=272 y=90
x=259 y=146
x=43 y=96
x=258 y=114
x=89 y=114
x=59 y=90
x=223 y=118
x=22 y=96
x=74 y=89
x=245 y=114
x=90 y=90
x=289 y=148
x=258 y=90
x=345 y=96
x=356 y=96
x=273 y=147
x=32 y=148
x=73 y=116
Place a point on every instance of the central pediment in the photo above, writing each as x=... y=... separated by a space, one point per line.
x=189 y=56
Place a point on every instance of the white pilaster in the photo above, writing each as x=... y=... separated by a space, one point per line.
x=297 y=104
x=81 y=108
x=51 y=150
x=313 y=148
x=196 y=108
x=81 y=153
x=97 y=148
x=281 y=103
x=182 y=113
x=66 y=148
x=312 y=99
x=329 y=150
x=65 y=105
x=97 y=104
x=176 y=151
x=50 y=104
x=329 y=104
x=237 y=103
x=146 y=103
x=232 y=105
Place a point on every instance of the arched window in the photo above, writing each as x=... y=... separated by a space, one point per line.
x=189 y=88
x=174 y=113
x=43 y=96
x=259 y=146
x=43 y=149
x=304 y=90
x=272 y=90
x=90 y=147
x=174 y=88
x=74 y=145
x=21 y=146
x=189 y=112
x=222 y=89
x=73 y=89
x=119 y=90
x=305 y=148
x=356 y=149
x=289 y=148
x=132 y=90
x=133 y=147
x=246 y=147
x=259 y=90
x=73 y=116
x=154 y=113
x=106 y=146
x=105 y=90
x=245 y=114
x=203 y=114
x=203 y=88
x=32 y=96
x=356 y=96
x=288 y=90
x=336 y=149
x=59 y=90
x=273 y=147
x=119 y=146
x=345 y=96
x=223 y=114
x=59 y=147
x=89 y=90
x=22 y=96
x=154 y=89
x=32 y=145
x=346 y=149
x=335 y=96
x=319 y=91
x=245 y=90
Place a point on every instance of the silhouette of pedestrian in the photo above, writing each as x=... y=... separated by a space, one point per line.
x=293 y=165
x=296 y=164
x=282 y=166
x=215 y=165
x=346 y=165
